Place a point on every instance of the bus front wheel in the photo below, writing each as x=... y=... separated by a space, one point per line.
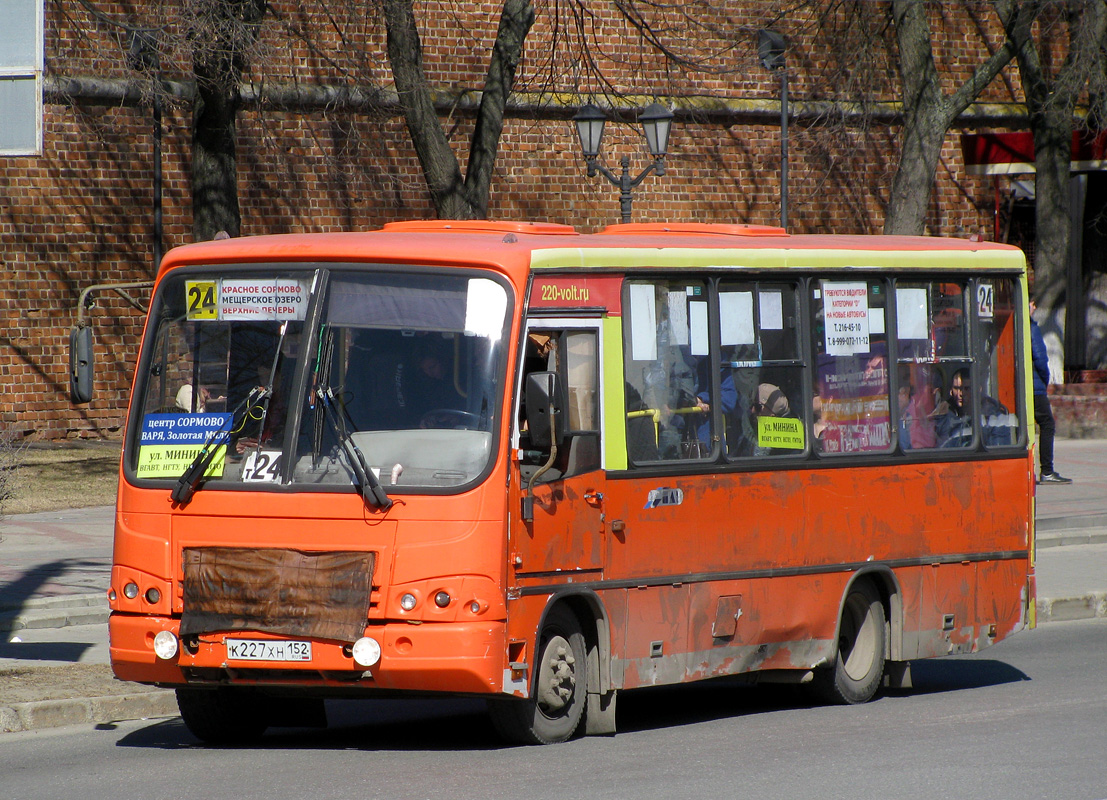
x=554 y=710
x=859 y=667
x=223 y=716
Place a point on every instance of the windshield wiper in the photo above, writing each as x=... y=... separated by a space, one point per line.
x=370 y=488
x=192 y=479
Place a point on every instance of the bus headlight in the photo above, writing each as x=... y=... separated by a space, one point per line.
x=165 y=645
x=407 y=601
x=366 y=651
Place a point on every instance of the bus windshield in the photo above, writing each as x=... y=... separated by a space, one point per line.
x=320 y=376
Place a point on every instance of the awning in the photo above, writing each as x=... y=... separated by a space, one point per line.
x=1013 y=153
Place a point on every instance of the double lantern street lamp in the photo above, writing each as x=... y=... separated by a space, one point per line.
x=771 y=47
x=656 y=123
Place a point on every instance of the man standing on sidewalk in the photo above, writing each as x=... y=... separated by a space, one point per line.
x=1043 y=414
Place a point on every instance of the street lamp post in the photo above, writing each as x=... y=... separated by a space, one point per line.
x=770 y=49
x=656 y=123
x=142 y=55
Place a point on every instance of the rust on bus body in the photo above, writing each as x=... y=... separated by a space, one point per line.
x=753 y=525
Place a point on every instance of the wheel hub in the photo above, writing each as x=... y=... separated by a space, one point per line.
x=557 y=679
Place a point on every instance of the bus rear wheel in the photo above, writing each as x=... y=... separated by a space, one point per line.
x=859 y=667
x=554 y=710
x=223 y=716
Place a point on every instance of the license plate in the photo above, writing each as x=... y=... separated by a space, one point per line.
x=268 y=650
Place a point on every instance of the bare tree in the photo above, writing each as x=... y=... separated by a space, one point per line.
x=928 y=112
x=1040 y=31
x=455 y=196
x=220 y=34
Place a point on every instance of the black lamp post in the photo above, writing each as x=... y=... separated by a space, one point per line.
x=656 y=123
x=142 y=55
x=770 y=49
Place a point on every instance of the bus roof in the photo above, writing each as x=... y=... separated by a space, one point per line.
x=517 y=246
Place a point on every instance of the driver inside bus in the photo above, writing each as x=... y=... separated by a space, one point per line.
x=425 y=394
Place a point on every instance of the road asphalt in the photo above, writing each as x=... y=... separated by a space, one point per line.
x=55 y=567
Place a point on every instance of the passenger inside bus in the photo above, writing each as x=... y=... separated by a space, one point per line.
x=769 y=402
x=953 y=416
x=916 y=428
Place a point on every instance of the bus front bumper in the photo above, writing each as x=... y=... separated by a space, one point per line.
x=455 y=657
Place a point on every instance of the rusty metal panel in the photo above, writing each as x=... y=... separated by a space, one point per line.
x=285 y=592
x=726 y=617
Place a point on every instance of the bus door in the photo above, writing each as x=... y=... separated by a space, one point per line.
x=563 y=490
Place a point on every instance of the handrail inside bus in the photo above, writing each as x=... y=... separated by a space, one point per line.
x=655 y=414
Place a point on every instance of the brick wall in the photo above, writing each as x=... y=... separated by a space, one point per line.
x=80 y=213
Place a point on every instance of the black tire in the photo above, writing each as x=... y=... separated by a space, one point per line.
x=862 y=637
x=555 y=708
x=223 y=716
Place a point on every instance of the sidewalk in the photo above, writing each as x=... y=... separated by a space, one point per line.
x=55 y=567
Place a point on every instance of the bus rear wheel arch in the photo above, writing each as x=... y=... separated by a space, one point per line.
x=858 y=668
x=555 y=708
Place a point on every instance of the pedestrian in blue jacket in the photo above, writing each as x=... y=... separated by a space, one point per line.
x=1043 y=414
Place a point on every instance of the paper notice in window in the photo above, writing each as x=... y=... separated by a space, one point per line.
x=846 y=317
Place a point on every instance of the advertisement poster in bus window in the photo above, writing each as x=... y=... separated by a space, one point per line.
x=170 y=442
x=853 y=403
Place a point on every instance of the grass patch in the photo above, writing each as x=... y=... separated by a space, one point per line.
x=50 y=477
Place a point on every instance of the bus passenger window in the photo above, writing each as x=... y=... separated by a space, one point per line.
x=995 y=310
x=761 y=358
x=851 y=369
x=669 y=377
x=934 y=395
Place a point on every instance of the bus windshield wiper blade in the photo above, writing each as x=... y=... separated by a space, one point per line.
x=370 y=488
x=193 y=477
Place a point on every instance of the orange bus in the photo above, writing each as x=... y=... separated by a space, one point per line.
x=511 y=460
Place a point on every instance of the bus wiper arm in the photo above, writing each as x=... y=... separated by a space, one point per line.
x=192 y=479
x=370 y=488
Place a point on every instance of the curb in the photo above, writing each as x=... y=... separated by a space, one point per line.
x=1071 y=535
x=1092 y=605
x=55 y=612
x=38 y=714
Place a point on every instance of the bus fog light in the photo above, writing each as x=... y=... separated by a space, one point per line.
x=165 y=645
x=366 y=651
x=130 y=591
x=442 y=599
x=407 y=602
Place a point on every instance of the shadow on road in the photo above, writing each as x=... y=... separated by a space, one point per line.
x=953 y=674
x=461 y=724
x=14 y=597
x=43 y=651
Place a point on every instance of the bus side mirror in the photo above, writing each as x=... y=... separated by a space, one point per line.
x=544 y=417
x=80 y=364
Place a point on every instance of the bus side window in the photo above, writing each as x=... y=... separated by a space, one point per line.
x=670 y=388
x=852 y=403
x=573 y=354
x=999 y=399
x=935 y=394
x=761 y=356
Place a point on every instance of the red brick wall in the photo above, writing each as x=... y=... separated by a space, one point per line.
x=80 y=213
